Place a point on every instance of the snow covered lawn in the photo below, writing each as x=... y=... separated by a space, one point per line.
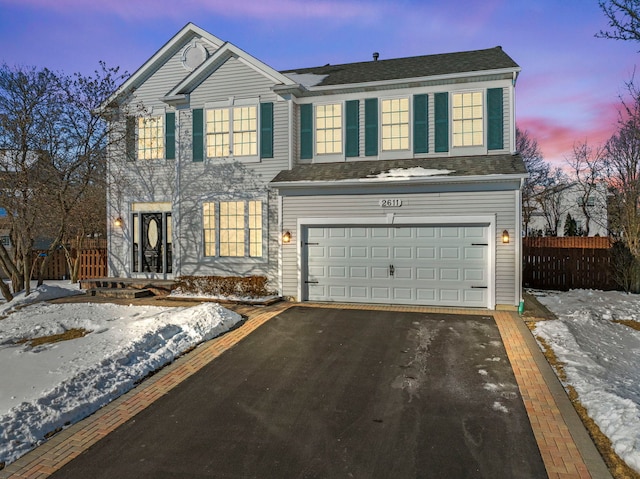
x=601 y=359
x=46 y=387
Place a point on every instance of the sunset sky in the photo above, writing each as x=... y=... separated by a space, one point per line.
x=569 y=89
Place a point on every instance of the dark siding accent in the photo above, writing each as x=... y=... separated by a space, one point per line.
x=371 y=127
x=266 y=130
x=495 y=119
x=352 y=117
x=198 y=132
x=306 y=131
x=441 y=111
x=130 y=138
x=420 y=124
x=170 y=135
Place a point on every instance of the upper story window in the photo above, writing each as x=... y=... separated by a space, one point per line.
x=467 y=121
x=232 y=131
x=232 y=228
x=395 y=124
x=329 y=129
x=151 y=138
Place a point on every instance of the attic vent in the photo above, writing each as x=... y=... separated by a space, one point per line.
x=375 y=56
x=193 y=55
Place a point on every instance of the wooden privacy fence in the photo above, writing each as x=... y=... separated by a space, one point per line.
x=567 y=263
x=93 y=261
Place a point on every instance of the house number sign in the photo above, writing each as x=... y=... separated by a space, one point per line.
x=390 y=202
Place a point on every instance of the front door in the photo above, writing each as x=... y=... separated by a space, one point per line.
x=154 y=236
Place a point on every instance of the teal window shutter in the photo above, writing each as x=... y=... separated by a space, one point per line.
x=198 y=138
x=306 y=131
x=420 y=124
x=495 y=119
x=170 y=136
x=266 y=130
x=371 y=127
x=130 y=138
x=352 y=140
x=441 y=112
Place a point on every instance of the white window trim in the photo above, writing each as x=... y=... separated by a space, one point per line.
x=469 y=150
x=247 y=245
x=230 y=104
x=327 y=157
x=395 y=154
x=155 y=112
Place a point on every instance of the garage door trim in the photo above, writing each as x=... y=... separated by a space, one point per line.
x=394 y=220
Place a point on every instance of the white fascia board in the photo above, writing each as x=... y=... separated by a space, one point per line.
x=404 y=181
x=215 y=61
x=160 y=57
x=398 y=81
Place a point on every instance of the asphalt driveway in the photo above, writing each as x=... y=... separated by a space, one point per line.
x=329 y=393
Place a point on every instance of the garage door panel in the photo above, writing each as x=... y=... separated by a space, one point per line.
x=378 y=272
x=426 y=273
x=449 y=253
x=403 y=273
x=402 y=252
x=425 y=252
x=432 y=265
x=381 y=252
x=380 y=293
x=358 y=252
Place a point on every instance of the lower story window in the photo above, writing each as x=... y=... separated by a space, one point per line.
x=232 y=228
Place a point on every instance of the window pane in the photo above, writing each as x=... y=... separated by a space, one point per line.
x=467 y=119
x=151 y=138
x=245 y=131
x=395 y=124
x=255 y=228
x=209 y=226
x=329 y=129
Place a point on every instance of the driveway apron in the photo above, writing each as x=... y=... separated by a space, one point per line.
x=330 y=393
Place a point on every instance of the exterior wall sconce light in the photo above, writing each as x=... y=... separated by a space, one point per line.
x=286 y=237
x=505 y=237
x=118 y=222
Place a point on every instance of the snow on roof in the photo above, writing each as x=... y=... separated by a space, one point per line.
x=411 y=172
x=306 y=79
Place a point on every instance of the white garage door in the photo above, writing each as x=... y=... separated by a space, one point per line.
x=428 y=265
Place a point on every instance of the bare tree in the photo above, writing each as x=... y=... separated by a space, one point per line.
x=623 y=172
x=53 y=145
x=539 y=174
x=551 y=201
x=587 y=169
x=624 y=19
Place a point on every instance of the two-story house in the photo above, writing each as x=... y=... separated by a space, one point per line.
x=382 y=181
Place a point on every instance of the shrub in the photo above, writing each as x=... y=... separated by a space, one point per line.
x=224 y=286
x=625 y=267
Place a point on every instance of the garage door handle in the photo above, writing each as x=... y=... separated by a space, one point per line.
x=391 y=270
x=479 y=244
x=478 y=287
x=311 y=244
x=311 y=282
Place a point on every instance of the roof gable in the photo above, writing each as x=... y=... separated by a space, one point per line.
x=215 y=61
x=153 y=64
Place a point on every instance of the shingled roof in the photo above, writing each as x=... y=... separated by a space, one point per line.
x=411 y=67
x=457 y=166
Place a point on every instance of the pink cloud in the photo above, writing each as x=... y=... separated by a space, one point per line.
x=265 y=9
x=557 y=138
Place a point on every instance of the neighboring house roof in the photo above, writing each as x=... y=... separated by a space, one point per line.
x=386 y=170
x=412 y=67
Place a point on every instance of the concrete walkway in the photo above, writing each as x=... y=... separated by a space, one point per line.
x=564 y=444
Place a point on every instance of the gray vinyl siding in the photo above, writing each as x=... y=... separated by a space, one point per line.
x=498 y=203
x=232 y=79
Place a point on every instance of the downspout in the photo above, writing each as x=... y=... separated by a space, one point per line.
x=518 y=252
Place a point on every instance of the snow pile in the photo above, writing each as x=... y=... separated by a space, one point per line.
x=50 y=386
x=601 y=359
x=51 y=290
x=411 y=172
